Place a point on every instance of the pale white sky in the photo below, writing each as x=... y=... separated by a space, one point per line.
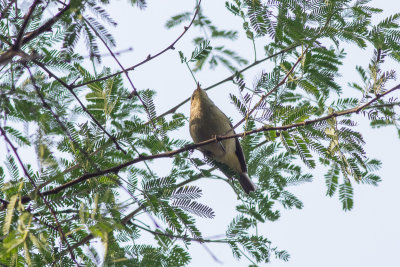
x=320 y=234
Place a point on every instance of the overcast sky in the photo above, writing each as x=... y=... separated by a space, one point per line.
x=321 y=234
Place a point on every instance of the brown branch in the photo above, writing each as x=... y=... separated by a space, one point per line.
x=56 y=117
x=7 y=56
x=272 y=90
x=148 y=58
x=62 y=235
x=216 y=139
x=74 y=167
x=51 y=74
x=18 y=42
x=45 y=27
x=75 y=246
x=5 y=10
x=126 y=219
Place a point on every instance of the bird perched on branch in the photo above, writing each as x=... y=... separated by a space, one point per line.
x=208 y=121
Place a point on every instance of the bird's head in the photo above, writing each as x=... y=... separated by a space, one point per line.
x=199 y=95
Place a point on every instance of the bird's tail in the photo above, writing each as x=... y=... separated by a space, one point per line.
x=247 y=184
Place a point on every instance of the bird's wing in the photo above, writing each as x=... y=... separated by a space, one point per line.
x=239 y=153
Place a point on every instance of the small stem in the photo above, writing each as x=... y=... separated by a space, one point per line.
x=191 y=72
x=247 y=257
x=94 y=66
x=255 y=50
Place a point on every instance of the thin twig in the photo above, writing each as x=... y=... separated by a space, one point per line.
x=271 y=91
x=56 y=117
x=148 y=58
x=134 y=92
x=80 y=103
x=18 y=42
x=46 y=26
x=8 y=55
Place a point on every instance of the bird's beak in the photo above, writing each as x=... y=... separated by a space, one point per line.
x=198 y=86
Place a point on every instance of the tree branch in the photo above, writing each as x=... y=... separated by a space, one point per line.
x=18 y=42
x=45 y=27
x=51 y=74
x=272 y=90
x=149 y=57
x=7 y=56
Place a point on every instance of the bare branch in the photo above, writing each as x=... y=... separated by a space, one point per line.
x=149 y=57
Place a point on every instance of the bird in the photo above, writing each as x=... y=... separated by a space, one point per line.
x=208 y=121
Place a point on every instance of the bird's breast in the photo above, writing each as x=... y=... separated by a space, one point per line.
x=206 y=124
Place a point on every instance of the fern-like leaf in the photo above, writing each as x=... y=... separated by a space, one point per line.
x=194 y=207
x=186 y=192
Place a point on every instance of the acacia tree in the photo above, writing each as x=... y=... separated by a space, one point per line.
x=95 y=133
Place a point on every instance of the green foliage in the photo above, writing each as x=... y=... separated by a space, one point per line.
x=194 y=207
x=199 y=55
x=90 y=135
x=178 y=19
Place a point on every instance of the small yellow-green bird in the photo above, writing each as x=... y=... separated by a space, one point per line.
x=208 y=121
